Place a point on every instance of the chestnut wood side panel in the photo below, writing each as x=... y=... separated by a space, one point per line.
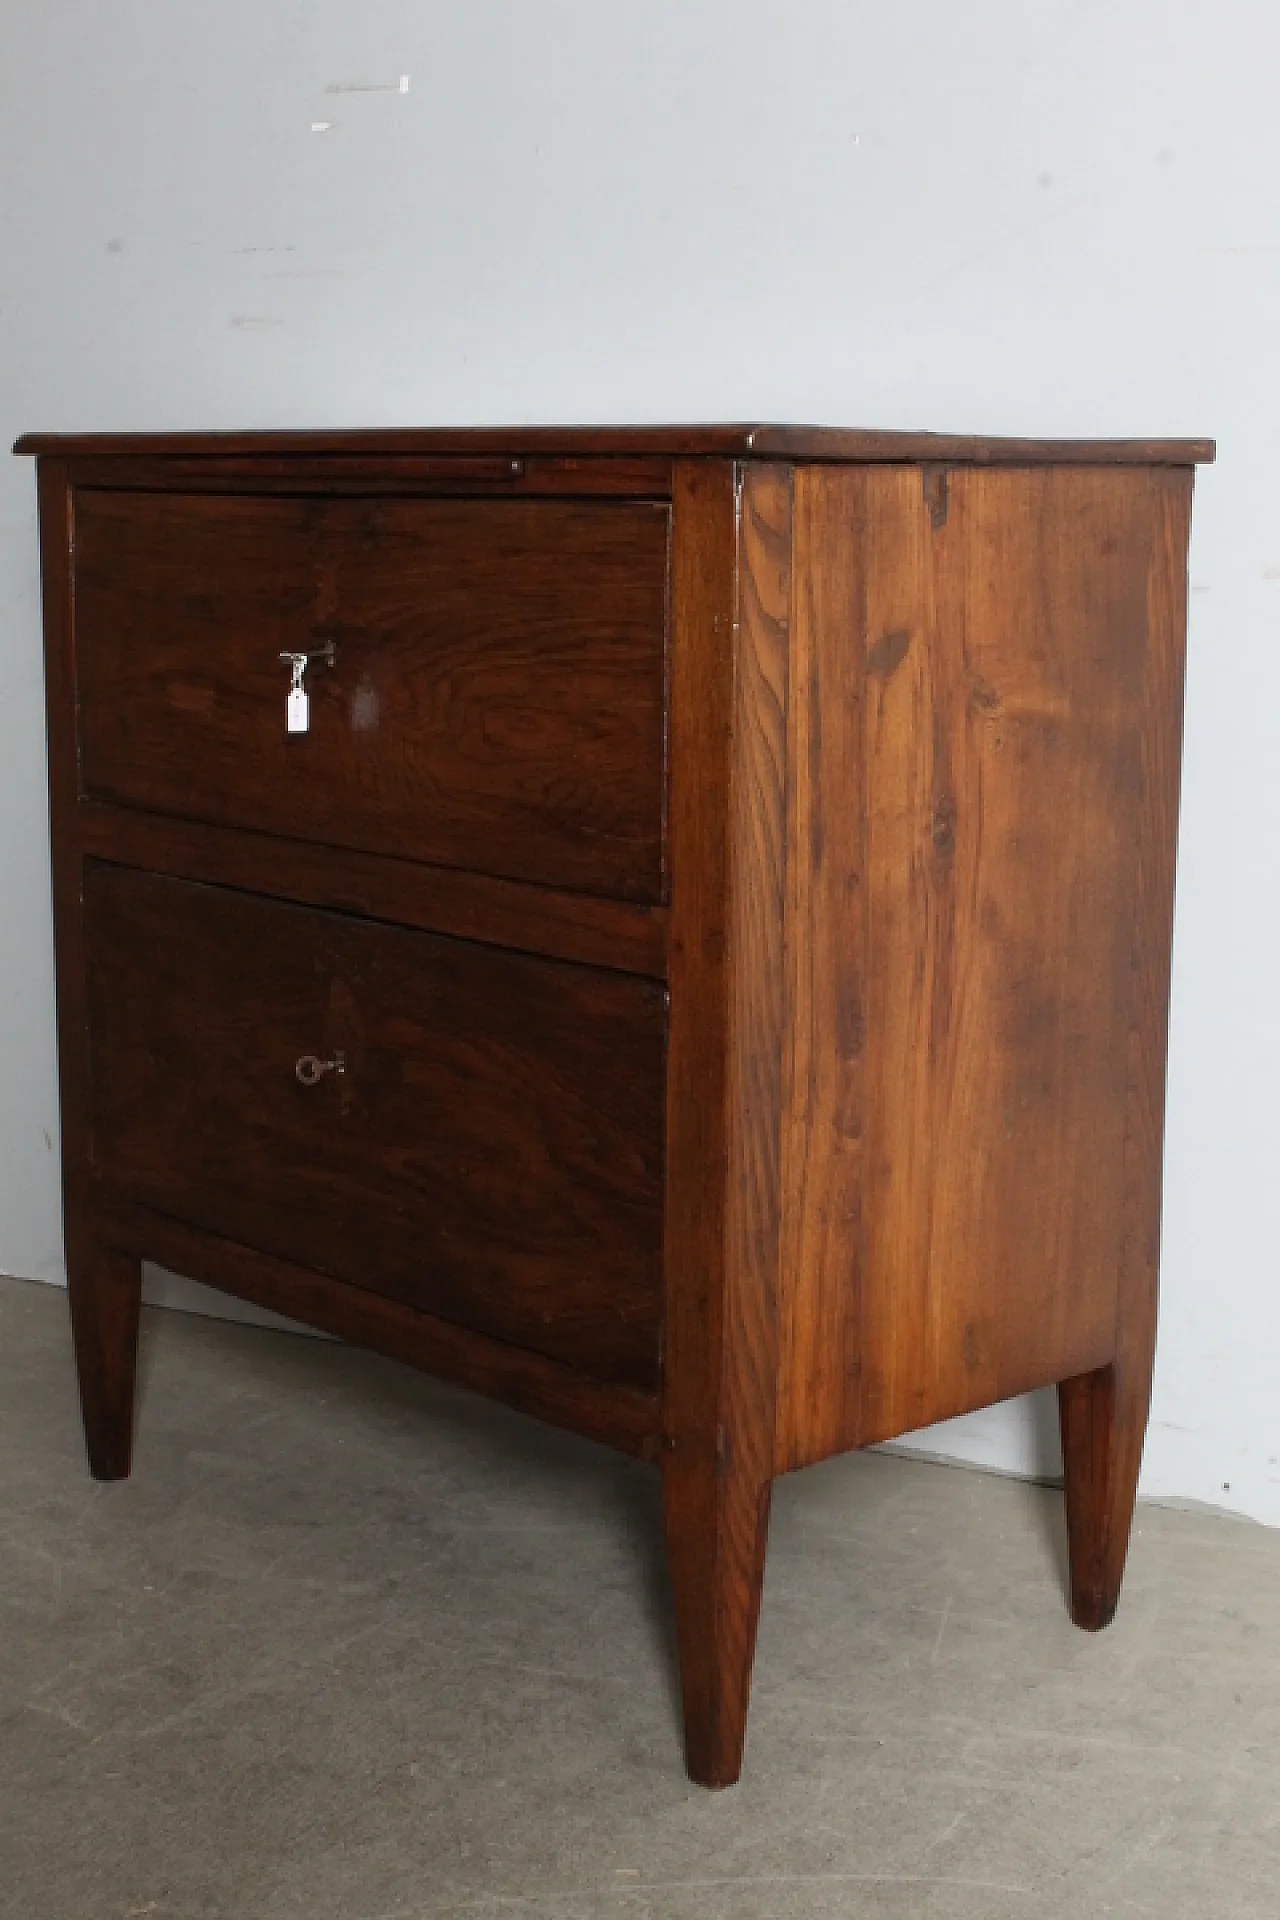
x=974 y=655
x=724 y=1084
x=495 y=700
x=490 y=1152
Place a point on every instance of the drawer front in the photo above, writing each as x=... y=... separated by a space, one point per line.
x=495 y=702
x=491 y=1153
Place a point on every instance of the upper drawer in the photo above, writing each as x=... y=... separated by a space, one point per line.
x=496 y=700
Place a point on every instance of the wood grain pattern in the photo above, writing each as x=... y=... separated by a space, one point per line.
x=956 y=1158
x=826 y=961
x=470 y=906
x=616 y=1416
x=1104 y=1413
x=721 y=441
x=492 y=1154
x=724 y=1087
x=496 y=703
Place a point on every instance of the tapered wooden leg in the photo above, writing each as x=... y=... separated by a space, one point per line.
x=106 y=1293
x=717 y=1526
x=726 y=1048
x=1104 y=1421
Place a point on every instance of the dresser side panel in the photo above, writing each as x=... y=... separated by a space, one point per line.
x=977 y=765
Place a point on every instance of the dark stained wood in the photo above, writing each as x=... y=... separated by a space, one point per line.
x=728 y=440
x=104 y=1288
x=404 y=475
x=1104 y=1414
x=496 y=702
x=957 y=1131
x=704 y=605
x=616 y=1416
x=724 y=1086
x=471 y=906
x=492 y=1153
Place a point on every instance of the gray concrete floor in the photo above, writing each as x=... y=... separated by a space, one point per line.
x=352 y=1646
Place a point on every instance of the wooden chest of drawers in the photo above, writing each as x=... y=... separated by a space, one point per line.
x=668 y=928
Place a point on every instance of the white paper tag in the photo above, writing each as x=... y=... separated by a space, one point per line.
x=298 y=711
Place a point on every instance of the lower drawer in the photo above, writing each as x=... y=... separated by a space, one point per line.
x=491 y=1150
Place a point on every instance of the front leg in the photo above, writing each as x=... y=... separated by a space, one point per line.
x=717 y=1523
x=105 y=1289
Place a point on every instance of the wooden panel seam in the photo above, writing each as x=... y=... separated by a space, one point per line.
x=590 y=929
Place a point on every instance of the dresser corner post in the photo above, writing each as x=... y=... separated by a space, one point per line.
x=1103 y=1414
x=104 y=1285
x=728 y=701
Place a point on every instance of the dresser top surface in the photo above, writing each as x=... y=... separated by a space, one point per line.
x=761 y=442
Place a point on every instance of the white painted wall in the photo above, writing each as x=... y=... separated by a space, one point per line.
x=1021 y=216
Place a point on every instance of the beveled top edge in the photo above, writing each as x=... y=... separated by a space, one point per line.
x=762 y=442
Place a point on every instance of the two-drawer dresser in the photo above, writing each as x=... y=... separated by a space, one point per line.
x=668 y=928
